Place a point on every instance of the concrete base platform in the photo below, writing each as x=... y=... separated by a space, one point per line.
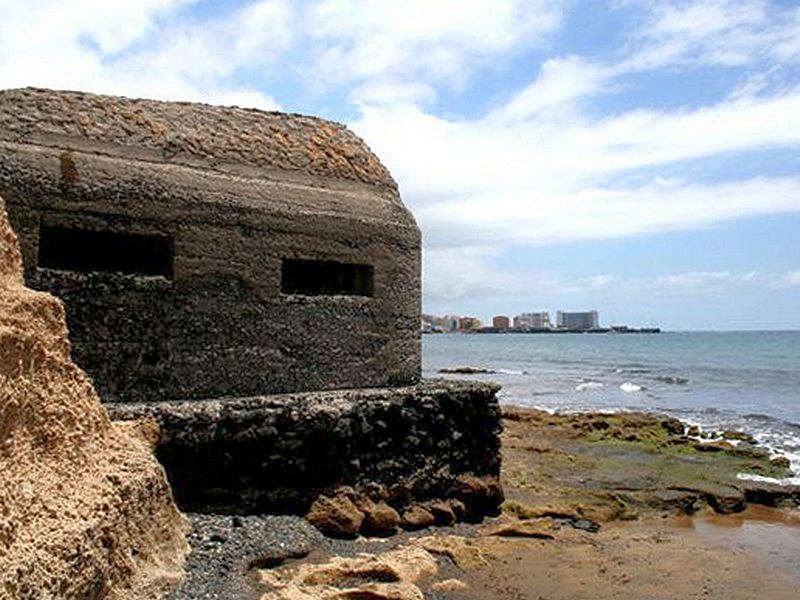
x=277 y=454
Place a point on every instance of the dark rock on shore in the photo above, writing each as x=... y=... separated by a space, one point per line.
x=723 y=499
x=380 y=519
x=672 y=379
x=337 y=516
x=282 y=454
x=417 y=517
x=770 y=494
x=740 y=436
x=466 y=371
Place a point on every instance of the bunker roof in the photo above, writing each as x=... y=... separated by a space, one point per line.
x=212 y=137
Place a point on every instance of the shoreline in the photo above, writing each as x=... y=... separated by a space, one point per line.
x=598 y=506
x=698 y=431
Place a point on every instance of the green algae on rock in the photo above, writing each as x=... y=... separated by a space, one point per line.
x=623 y=465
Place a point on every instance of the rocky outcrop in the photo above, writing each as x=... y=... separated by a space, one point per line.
x=587 y=468
x=85 y=509
x=402 y=573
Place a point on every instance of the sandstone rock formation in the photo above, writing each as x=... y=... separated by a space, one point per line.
x=393 y=575
x=402 y=573
x=85 y=509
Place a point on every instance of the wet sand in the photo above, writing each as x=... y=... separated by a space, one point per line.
x=739 y=557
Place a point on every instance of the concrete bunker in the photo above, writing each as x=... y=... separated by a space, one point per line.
x=205 y=251
x=252 y=281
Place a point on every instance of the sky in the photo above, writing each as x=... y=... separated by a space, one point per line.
x=637 y=158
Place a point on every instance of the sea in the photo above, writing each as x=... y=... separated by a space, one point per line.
x=748 y=380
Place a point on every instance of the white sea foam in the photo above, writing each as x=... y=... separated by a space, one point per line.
x=761 y=479
x=589 y=385
x=629 y=387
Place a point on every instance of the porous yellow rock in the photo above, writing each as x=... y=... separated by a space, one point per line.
x=85 y=509
x=393 y=575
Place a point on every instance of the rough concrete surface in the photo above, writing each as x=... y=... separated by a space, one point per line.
x=85 y=509
x=230 y=195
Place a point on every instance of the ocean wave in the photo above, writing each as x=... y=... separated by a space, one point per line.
x=634 y=368
x=759 y=417
x=772 y=420
x=512 y=396
x=629 y=387
x=562 y=361
x=589 y=385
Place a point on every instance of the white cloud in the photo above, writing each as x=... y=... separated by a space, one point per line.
x=442 y=40
x=714 y=32
x=60 y=44
x=528 y=182
x=141 y=49
x=451 y=272
x=696 y=282
x=541 y=169
x=690 y=282
x=561 y=83
x=790 y=279
x=456 y=273
x=40 y=25
x=600 y=281
x=787 y=48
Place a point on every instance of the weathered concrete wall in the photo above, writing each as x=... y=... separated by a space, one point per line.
x=237 y=191
x=278 y=453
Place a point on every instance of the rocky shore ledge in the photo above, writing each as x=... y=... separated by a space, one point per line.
x=594 y=504
x=626 y=465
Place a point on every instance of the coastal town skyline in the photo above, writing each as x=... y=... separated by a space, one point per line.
x=528 y=322
x=638 y=157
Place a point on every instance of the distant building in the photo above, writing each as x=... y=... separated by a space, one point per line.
x=450 y=322
x=469 y=323
x=501 y=322
x=437 y=323
x=578 y=320
x=532 y=320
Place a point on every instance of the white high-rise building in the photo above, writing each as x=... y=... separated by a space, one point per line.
x=578 y=320
x=532 y=320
